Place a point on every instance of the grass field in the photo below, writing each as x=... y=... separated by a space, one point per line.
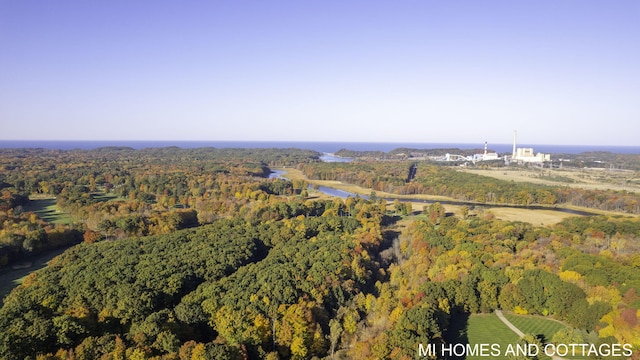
x=47 y=210
x=536 y=325
x=488 y=329
x=295 y=174
x=11 y=277
x=541 y=327
x=106 y=197
x=535 y=217
x=576 y=178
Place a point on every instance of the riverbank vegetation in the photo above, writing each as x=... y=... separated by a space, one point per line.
x=197 y=254
x=430 y=179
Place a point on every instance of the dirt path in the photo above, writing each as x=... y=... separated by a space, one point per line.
x=508 y=323
x=516 y=330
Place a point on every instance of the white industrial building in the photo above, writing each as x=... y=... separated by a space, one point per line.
x=486 y=156
x=526 y=155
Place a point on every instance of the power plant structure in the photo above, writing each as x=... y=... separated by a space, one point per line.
x=526 y=155
x=518 y=155
x=485 y=156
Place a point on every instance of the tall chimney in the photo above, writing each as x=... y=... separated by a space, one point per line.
x=513 y=155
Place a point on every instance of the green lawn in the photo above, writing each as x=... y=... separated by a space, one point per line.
x=539 y=326
x=11 y=277
x=48 y=211
x=543 y=328
x=105 y=197
x=488 y=329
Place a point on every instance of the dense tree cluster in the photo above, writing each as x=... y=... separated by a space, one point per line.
x=98 y=290
x=118 y=192
x=256 y=285
x=452 y=267
x=10 y=198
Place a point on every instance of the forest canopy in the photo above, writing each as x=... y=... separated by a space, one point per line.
x=198 y=254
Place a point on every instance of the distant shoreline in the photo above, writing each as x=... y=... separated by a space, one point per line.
x=320 y=146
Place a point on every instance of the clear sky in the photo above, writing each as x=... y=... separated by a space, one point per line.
x=559 y=72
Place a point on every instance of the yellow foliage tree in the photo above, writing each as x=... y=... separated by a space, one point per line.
x=570 y=276
x=298 y=347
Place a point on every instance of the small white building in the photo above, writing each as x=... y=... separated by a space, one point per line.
x=490 y=156
x=486 y=156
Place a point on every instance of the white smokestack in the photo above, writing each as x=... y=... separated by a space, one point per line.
x=513 y=155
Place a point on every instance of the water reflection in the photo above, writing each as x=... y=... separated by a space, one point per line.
x=277 y=174
x=330 y=157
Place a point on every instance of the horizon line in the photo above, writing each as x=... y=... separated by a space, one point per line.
x=311 y=141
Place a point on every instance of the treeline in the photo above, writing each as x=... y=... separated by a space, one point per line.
x=405 y=153
x=24 y=235
x=444 y=181
x=11 y=198
x=601 y=159
x=146 y=173
x=590 y=159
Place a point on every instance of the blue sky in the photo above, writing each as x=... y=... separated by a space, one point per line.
x=559 y=72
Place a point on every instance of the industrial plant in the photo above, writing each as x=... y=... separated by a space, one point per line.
x=526 y=155
x=518 y=155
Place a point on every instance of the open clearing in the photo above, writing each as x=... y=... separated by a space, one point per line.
x=535 y=325
x=488 y=329
x=535 y=217
x=11 y=277
x=48 y=210
x=592 y=179
x=542 y=327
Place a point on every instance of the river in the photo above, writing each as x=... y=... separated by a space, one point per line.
x=345 y=194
